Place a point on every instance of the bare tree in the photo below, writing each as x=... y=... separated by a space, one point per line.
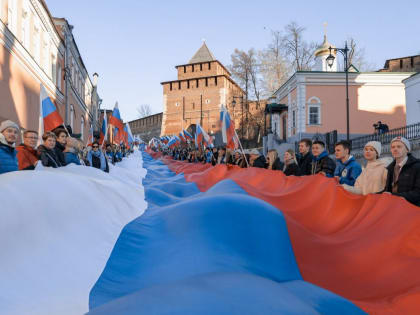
x=274 y=67
x=357 y=57
x=144 y=110
x=299 y=52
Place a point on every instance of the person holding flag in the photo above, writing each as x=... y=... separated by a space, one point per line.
x=104 y=131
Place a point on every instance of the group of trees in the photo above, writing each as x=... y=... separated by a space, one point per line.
x=261 y=72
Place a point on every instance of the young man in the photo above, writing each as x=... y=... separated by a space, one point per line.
x=26 y=152
x=404 y=172
x=305 y=158
x=8 y=136
x=321 y=162
x=347 y=169
x=60 y=144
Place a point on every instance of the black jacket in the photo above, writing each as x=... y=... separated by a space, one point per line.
x=59 y=152
x=408 y=181
x=260 y=162
x=278 y=165
x=323 y=164
x=48 y=157
x=305 y=164
x=292 y=169
x=96 y=162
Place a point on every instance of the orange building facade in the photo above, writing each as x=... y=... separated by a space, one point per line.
x=36 y=49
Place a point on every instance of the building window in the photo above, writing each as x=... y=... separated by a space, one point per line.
x=401 y=63
x=185 y=69
x=170 y=86
x=179 y=85
x=196 y=83
x=201 y=67
x=71 y=116
x=82 y=127
x=188 y=84
x=294 y=119
x=193 y=105
x=59 y=76
x=54 y=69
x=209 y=65
x=314 y=111
x=215 y=80
x=192 y=66
x=25 y=24
x=412 y=61
x=12 y=16
x=207 y=82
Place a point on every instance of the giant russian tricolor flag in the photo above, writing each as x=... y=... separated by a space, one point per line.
x=213 y=240
x=50 y=118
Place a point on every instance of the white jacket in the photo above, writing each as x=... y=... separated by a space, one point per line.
x=371 y=180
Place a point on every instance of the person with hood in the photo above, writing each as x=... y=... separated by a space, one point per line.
x=305 y=157
x=321 y=162
x=26 y=152
x=256 y=159
x=273 y=161
x=97 y=159
x=71 y=152
x=9 y=132
x=373 y=177
x=60 y=145
x=404 y=172
x=290 y=164
x=347 y=169
x=46 y=151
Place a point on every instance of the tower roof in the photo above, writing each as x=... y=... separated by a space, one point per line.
x=202 y=55
x=324 y=48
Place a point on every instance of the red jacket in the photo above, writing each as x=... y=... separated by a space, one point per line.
x=26 y=157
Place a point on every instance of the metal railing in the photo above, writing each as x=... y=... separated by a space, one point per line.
x=411 y=132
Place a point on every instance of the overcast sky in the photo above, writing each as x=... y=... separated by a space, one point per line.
x=134 y=45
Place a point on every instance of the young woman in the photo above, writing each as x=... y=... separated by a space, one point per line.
x=273 y=161
x=46 y=151
x=97 y=159
x=290 y=163
x=373 y=176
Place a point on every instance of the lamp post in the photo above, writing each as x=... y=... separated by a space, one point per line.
x=242 y=109
x=330 y=60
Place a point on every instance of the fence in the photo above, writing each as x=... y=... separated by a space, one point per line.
x=411 y=132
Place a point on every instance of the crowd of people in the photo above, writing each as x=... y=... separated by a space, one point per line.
x=59 y=148
x=401 y=177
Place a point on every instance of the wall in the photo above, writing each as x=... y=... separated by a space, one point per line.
x=412 y=96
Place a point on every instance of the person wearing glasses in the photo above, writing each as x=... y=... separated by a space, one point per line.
x=70 y=153
x=97 y=159
x=26 y=152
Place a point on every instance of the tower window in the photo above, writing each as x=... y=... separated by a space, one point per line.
x=179 y=85
x=401 y=63
x=170 y=86
x=215 y=80
x=207 y=82
x=412 y=61
x=185 y=69
x=192 y=68
x=193 y=105
x=196 y=83
x=209 y=65
x=201 y=67
x=188 y=84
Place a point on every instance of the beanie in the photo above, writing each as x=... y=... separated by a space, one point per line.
x=8 y=124
x=376 y=145
x=403 y=140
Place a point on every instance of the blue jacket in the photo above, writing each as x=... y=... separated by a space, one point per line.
x=71 y=157
x=8 y=159
x=348 y=172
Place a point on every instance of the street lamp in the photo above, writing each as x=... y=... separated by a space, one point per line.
x=330 y=60
x=242 y=109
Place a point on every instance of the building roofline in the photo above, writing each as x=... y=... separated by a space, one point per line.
x=211 y=76
x=403 y=57
x=412 y=76
x=157 y=114
x=197 y=63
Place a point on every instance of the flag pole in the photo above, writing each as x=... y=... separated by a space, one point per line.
x=243 y=153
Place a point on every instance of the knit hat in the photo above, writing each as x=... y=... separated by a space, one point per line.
x=376 y=145
x=8 y=124
x=403 y=140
